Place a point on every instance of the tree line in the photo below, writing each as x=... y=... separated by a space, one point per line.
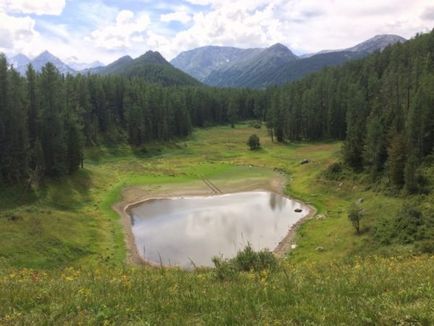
x=47 y=119
x=381 y=106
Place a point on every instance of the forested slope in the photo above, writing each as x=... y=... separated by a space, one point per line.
x=47 y=119
x=383 y=106
x=151 y=67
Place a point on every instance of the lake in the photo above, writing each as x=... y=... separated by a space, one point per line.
x=181 y=230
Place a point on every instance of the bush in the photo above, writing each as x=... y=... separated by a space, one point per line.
x=254 y=142
x=333 y=171
x=408 y=224
x=255 y=124
x=246 y=260
x=411 y=225
x=426 y=246
x=224 y=270
x=355 y=214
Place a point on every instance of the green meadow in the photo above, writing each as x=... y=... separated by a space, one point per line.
x=63 y=254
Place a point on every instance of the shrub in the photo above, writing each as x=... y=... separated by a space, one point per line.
x=355 y=214
x=255 y=124
x=245 y=261
x=248 y=260
x=224 y=270
x=426 y=246
x=411 y=225
x=333 y=171
x=254 y=142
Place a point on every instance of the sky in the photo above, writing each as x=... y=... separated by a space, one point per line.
x=86 y=31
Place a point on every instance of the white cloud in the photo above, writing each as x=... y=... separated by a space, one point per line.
x=180 y=16
x=38 y=7
x=15 y=32
x=200 y=2
x=127 y=30
x=302 y=25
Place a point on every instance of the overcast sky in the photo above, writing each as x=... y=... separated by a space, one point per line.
x=85 y=31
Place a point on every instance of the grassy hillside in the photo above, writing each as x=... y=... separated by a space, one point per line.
x=72 y=241
x=375 y=291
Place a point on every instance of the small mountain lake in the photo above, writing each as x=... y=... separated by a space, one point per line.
x=181 y=230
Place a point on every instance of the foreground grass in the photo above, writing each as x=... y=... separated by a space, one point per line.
x=376 y=291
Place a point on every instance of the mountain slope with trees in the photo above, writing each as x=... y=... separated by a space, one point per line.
x=151 y=67
x=47 y=118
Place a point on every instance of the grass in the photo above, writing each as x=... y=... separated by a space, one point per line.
x=62 y=252
x=373 y=291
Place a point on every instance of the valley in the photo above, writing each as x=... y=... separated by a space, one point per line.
x=73 y=240
x=206 y=163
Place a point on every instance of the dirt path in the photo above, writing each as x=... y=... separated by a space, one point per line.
x=135 y=195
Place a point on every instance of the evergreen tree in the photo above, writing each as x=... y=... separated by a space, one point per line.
x=37 y=168
x=74 y=151
x=396 y=162
x=33 y=105
x=374 y=153
x=16 y=162
x=52 y=128
x=3 y=109
x=353 y=146
x=233 y=111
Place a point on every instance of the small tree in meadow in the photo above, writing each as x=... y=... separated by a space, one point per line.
x=253 y=142
x=355 y=214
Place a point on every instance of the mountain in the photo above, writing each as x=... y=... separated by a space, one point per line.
x=113 y=67
x=151 y=67
x=259 y=68
x=45 y=57
x=200 y=62
x=20 y=62
x=254 y=71
x=79 y=66
x=377 y=43
x=300 y=68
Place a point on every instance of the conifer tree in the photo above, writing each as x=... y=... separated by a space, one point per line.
x=52 y=128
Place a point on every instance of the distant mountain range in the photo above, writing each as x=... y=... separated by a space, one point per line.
x=259 y=68
x=216 y=65
x=151 y=67
x=20 y=62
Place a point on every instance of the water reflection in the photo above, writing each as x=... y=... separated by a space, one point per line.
x=277 y=201
x=181 y=230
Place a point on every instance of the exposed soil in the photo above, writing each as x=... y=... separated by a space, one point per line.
x=135 y=195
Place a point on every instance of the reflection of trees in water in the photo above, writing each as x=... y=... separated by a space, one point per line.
x=276 y=201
